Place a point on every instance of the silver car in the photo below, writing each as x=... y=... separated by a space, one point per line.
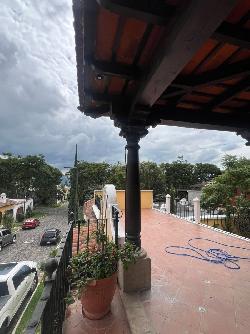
x=17 y=279
x=6 y=237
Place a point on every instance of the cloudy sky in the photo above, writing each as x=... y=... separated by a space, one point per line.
x=38 y=98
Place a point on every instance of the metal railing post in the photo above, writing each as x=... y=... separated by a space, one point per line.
x=116 y=220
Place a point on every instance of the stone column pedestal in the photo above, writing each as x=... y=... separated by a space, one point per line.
x=168 y=199
x=197 y=210
x=138 y=275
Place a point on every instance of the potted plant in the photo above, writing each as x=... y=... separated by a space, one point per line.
x=93 y=273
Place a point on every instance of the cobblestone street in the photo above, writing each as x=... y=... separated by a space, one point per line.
x=27 y=245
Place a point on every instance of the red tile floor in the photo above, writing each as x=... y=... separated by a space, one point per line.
x=113 y=323
x=188 y=296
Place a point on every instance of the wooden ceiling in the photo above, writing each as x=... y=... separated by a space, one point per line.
x=174 y=62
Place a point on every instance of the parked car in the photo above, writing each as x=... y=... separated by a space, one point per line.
x=17 y=279
x=6 y=237
x=30 y=223
x=50 y=236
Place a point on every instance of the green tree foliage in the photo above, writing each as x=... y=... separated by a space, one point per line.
x=162 y=179
x=7 y=221
x=91 y=176
x=151 y=177
x=232 y=183
x=29 y=176
x=230 y=191
x=117 y=175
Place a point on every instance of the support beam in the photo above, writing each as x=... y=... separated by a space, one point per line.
x=231 y=33
x=224 y=72
x=114 y=69
x=193 y=26
x=133 y=193
x=200 y=119
x=229 y=93
x=150 y=11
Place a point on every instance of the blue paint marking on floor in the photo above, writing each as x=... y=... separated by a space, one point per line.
x=212 y=255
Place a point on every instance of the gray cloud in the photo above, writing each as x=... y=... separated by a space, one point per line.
x=38 y=97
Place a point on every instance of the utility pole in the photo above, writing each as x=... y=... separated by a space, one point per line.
x=76 y=188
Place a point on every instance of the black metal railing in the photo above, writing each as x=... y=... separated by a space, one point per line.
x=115 y=218
x=48 y=315
x=160 y=205
x=86 y=228
x=213 y=217
x=221 y=218
x=185 y=211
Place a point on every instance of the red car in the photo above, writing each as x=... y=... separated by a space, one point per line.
x=30 y=223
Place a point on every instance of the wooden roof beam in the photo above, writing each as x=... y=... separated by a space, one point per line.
x=150 y=11
x=114 y=69
x=224 y=72
x=233 y=34
x=193 y=26
x=229 y=93
x=183 y=117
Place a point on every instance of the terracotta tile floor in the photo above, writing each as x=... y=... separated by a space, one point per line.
x=113 y=323
x=190 y=296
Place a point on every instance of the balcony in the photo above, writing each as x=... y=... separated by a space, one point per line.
x=188 y=294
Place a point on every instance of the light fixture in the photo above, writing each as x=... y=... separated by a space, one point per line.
x=99 y=76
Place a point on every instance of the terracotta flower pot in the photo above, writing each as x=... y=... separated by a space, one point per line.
x=97 y=297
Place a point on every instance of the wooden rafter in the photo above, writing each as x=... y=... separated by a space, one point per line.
x=115 y=69
x=233 y=34
x=202 y=117
x=192 y=28
x=224 y=72
x=149 y=11
x=229 y=93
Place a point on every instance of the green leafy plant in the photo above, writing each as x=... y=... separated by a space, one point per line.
x=89 y=266
x=7 y=221
x=69 y=299
x=20 y=217
x=53 y=253
x=28 y=213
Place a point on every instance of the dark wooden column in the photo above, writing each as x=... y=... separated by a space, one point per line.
x=133 y=193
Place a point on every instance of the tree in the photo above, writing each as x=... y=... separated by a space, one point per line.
x=91 y=176
x=117 y=175
x=151 y=177
x=230 y=190
x=204 y=172
x=29 y=176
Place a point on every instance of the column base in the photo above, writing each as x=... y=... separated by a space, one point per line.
x=138 y=275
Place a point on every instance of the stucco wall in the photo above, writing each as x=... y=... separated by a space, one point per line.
x=146 y=199
x=5 y=208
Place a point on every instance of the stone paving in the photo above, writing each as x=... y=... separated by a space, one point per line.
x=27 y=245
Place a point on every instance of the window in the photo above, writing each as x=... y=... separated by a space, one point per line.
x=21 y=275
x=18 y=278
x=26 y=271
x=4 y=289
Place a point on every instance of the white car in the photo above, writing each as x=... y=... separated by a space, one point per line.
x=17 y=279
